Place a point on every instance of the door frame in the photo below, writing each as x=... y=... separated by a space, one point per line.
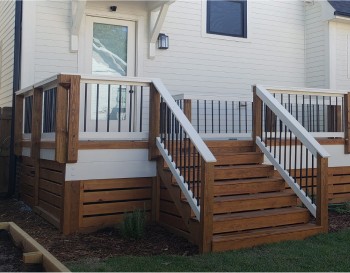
x=139 y=39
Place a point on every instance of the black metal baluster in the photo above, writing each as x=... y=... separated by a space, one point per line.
x=97 y=105
x=324 y=114
x=141 y=108
x=172 y=135
x=212 y=116
x=336 y=115
x=312 y=181
x=246 y=117
x=185 y=158
x=303 y=112
x=226 y=114
x=120 y=107
x=205 y=116
x=295 y=158
x=108 y=106
x=219 y=116
x=239 y=116
x=85 y=107
x=301 y=165
x=181 y=166
x=198 y=177
x=307 y=172
x=317 y=115
x=310 y=115
x=233 y=117
x=198 y=116
x=194 y=170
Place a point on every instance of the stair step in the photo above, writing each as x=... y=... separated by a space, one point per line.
x=242 y=171
x=239 y=158
x=260 y=219
x=252 y=238
x=245 y=186
x=249 y=202
x=230 y=146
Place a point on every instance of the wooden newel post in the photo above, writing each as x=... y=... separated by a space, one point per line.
x=36 y=138
x=322 y=193
x=18 y=124
x=154 y=122
x=61 y=119
x=73 y=119
x=188 y=109
x=257 y=115
x=206 y=206
x=347 y=123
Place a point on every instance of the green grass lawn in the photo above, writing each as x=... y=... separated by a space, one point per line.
x=326 y=252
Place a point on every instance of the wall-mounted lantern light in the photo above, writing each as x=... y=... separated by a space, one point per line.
x=163 y=41
x=113 y=8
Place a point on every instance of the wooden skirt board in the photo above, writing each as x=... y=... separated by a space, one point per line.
x=169 y=215
x=105 y=202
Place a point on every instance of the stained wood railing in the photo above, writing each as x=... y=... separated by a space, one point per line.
x=292 y=149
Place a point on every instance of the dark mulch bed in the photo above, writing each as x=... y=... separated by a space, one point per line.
x=108 y=242
x=101 y=244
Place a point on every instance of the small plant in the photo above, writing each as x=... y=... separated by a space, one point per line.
x=133 y=226
x=343 y=208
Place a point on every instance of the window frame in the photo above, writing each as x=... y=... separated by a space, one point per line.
x=244 y=15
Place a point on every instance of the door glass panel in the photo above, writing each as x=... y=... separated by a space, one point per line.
x=109 y=57
x=109 y=49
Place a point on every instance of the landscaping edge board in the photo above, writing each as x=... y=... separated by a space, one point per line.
x=49 y=262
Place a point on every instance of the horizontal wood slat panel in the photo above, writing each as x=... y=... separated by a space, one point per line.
x=56 y=212
x=90 y=145
x=172 y=220
x=169 y=208
x=119 y=195
x=53 y=176
x=50 y=198
x=109 y=184
x=51 y=187
x=116 y=207
x=52 y=165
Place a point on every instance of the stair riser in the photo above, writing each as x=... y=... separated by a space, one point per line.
x=240 y=173
x=248 y=188
x=255 y=204
x=239 y=159
x=222 y=160
x=266 y=239
x=261 y=222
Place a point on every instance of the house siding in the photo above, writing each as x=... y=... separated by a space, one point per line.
x=342 y=56
x=7 y=36
x=315 y=46
x=273 y=54
x=52 y=40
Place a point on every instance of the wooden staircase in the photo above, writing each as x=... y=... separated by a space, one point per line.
x=251 y=205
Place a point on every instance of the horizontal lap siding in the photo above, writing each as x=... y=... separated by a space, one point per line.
x=7 y=32
x=315 y=35
x=342 y=56
x=105 y=202
x=195 y=64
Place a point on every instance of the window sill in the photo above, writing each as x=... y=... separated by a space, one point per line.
x=227 y=38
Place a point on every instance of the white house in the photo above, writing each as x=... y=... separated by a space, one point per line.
x=91 y=141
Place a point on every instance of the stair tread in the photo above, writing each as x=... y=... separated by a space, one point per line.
x=250 y=180
x=241 y=235
x=246 y=166
x=252 y=196
x=252 y=214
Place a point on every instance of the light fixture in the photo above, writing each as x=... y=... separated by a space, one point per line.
x=163 y=41
x=113 y=8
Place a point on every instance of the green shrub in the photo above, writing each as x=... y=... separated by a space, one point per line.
x=133 y=226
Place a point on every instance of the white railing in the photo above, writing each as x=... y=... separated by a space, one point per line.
x=291 y=149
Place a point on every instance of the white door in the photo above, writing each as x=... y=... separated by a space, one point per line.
x=110 y=47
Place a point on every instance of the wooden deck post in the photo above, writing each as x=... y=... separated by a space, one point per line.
x=347 y=123
x=322 y=193
x=154 y=122
x=73 y=119
x=61 y=119
x=18 y=124
x=36 y=137
x=188 y=109
x=257 y=116
x=206 y=206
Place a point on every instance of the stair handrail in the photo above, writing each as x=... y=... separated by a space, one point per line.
x=292 y=134
x=190 y=161
x=191 y=131
x=300 y=132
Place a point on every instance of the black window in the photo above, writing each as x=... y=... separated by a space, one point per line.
x=227 y=17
